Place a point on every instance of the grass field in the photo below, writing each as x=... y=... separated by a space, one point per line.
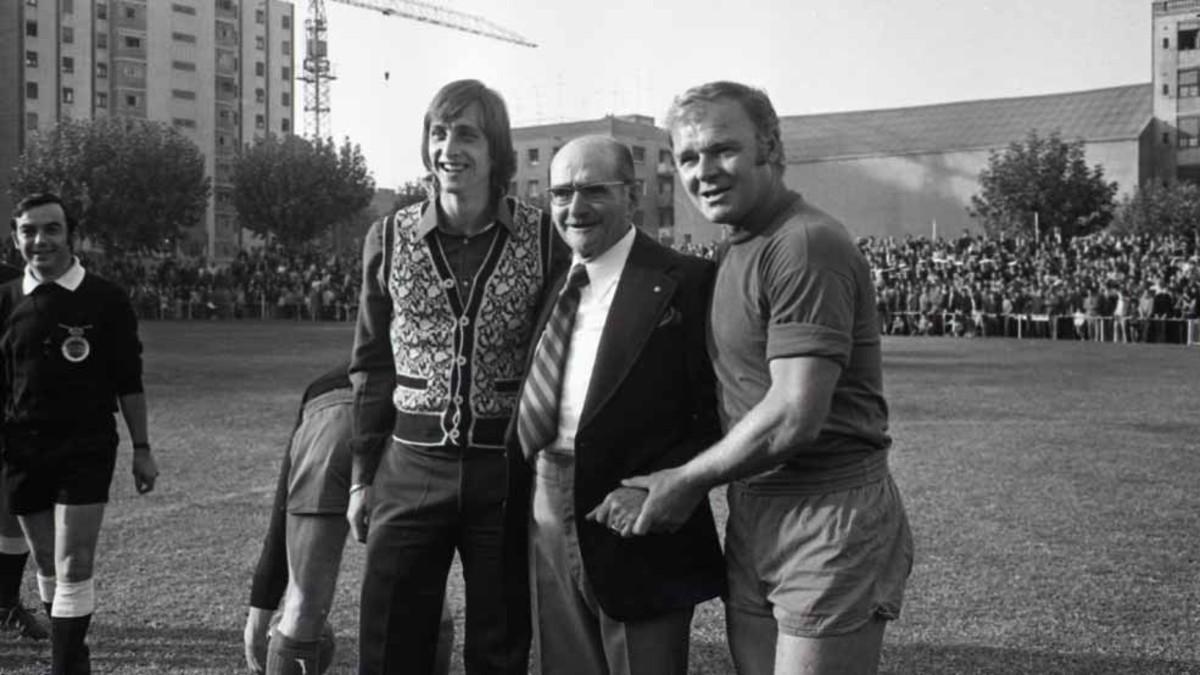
x=1052 y=489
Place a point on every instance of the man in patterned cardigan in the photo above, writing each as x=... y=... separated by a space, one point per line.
x=450 y=291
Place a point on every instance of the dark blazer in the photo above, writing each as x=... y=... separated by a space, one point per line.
x=651 y=404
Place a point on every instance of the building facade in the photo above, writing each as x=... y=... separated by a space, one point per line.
x=220 y=71
x=535 y=146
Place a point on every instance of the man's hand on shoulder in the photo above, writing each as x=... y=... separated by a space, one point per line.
x=358 y=511
x=672 y=496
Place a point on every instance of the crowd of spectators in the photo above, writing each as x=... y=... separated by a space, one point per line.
x=268 y=282
x=1130 y=287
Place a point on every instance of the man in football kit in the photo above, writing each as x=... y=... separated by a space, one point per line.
x=302 y=551
x=70 y=357
x=14 y=552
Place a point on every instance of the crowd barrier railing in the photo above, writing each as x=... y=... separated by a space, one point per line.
x=1044 y=326
x=176 y=309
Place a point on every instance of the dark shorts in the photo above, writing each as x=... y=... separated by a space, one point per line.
x=821 y=565
x=319 y=480
x=43 y=469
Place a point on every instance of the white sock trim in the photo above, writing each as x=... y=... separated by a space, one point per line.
x=46 y=587
x=13 y=545
x=74 y=598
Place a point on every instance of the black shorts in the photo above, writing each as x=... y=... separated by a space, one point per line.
x=42 y=469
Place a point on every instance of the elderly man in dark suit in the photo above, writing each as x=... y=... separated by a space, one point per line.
x=618 y=385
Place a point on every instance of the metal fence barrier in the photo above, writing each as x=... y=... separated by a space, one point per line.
x=1044 y=326
x=170 y=308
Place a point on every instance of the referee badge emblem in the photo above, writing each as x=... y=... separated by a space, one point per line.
x=76 y=348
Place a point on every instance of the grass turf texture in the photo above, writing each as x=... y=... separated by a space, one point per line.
x=1051 y=488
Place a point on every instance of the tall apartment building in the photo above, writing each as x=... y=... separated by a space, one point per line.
x=1176 y=49
x=535 y=146
x=220 y=71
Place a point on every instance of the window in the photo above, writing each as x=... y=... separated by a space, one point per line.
x=130 y=12
x=31 y=90
x=286 y=73
x=639 y=185
x=260 y=122
x=1166 y=138
x=68 y=6
x=666 y=217
x=639 y=154
x=68 y=35
x=664 y=156
x=1187 y=38
x=260 y=42
x=131 y=100
x=665 y=186
x=183 y=37
x=286 y=46
x=183 y=9
x=31 y=121
x=132 y=42
x=285 y=99
x=184 y=123
x=183 y=94
x=101 y=99
x=31 y=29
x=1189 y=132
x=534 y=156
x=260 y=69
x=1166 y=43
x=286 y=22
x=102 y=10
x=286 y=125
x=68 y=95
x=531 y=189
x=183 y=65
x=260 y=16
x=1166 y=90
x=68 y=65
x=31 y=59
x=101 y=40
x=260 y=95
x=101 y=71
x=1189 y=83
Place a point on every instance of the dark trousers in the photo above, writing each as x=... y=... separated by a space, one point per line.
x=427 y=503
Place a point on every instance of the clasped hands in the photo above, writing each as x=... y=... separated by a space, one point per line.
x=658 y=502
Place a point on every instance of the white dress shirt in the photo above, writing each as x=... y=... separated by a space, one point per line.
x=595 y=299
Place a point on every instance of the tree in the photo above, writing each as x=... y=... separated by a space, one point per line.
x=412 y=192
x=133 y=184
x=1160 y=209
x=294 y=189
x=1046 y=176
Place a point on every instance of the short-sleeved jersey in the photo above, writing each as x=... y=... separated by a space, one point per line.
x=799 y=287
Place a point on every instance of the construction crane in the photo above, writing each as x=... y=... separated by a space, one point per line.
x=318 y=72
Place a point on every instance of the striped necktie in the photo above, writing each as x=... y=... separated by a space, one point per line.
x=537 y=416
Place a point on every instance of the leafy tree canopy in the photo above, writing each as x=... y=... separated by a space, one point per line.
x=294 y=189
x=1160 y=209
x=1047 y=176
x=134 y=184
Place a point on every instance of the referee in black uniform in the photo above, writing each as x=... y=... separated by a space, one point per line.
x=69 y=354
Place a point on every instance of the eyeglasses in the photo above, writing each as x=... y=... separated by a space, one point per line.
x=591 y=192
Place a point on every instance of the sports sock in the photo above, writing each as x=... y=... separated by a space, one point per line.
x=12 y=568
x=69 y=654
x=46 y=586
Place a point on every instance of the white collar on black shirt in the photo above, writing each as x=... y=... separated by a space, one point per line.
x=69 y=280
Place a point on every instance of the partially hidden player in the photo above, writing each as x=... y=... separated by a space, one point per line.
x=302 y=552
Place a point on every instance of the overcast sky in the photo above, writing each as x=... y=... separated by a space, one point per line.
x=631 y=56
